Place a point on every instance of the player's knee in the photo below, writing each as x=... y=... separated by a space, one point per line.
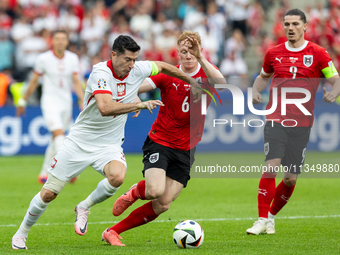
x=153 y=192
x=289 y=181
x=47 y=195
x=51 y=188
x=116 y=176
x=116 y=180
x=160 y=207
x=164 y=207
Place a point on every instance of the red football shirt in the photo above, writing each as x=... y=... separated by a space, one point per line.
x=295 y=67
x=180 y=123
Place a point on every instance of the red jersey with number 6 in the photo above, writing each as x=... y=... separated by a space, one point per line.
x=180 y=123
x=296 y=68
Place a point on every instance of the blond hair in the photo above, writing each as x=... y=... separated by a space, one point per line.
x=186 y=34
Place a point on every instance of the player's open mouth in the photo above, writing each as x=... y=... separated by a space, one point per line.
x=291 y=33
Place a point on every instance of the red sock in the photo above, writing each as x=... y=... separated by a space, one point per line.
x=139 y=191
x=138 y=217
x=282 y=195
x=266 y=194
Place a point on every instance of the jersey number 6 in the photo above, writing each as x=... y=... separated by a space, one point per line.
x=185 y=105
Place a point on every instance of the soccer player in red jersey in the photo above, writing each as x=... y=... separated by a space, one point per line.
x=169 y=149
x=294 y=64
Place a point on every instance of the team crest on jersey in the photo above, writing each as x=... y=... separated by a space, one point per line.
x=308 y=60
x=154 y=157
x=121 y=89
x=101 y=84
x=266 y=148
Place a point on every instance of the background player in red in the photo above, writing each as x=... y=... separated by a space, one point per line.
x=295 y=63
x=169 y=149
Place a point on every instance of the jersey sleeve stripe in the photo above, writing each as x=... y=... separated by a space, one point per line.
x=34 y=71
x=98 y=92
x=151 y=83
x=101 y=92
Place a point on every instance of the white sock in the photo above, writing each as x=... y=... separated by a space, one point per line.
x=35 y=210
x=103 y=191
x=58 y=142
x=49 y=154
x=271 y=216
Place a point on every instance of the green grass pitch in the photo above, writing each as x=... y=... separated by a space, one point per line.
x=225 y=208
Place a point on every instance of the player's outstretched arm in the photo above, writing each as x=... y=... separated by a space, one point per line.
x=171 y=70
x=32 y=86
x=330 y=96
x=259 y=85
x=213 y=74
x=78 y=90
x=109 y=108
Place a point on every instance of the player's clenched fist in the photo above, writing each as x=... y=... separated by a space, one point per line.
x=150 y=105
x=257 y=98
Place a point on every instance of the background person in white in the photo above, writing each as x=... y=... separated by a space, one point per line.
x=98 y=133
x=59 y=71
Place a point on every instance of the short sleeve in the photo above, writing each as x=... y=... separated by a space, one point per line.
x=156 y=81
x=325 y=64
x=145 y=67
x=76 y=65
x=266 y=66
x=39 y=67
x=98 y=83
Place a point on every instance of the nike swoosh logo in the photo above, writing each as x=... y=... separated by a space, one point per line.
x=31 y=214
x=83 y=229
x=18 y=247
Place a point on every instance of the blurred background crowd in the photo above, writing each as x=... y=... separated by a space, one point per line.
x=235 y=33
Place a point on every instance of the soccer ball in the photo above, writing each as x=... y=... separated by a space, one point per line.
x=188 y=234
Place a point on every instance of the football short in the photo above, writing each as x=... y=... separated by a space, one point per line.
x=176 y=163
x=72 y=159
x=287 y=143
x=57 y=118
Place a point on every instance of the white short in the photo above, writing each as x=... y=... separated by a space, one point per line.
x=57 y=118
x=72 y=159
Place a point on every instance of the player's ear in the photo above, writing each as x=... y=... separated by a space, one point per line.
x=201 y=49
x=113 y=54
x=305 y=27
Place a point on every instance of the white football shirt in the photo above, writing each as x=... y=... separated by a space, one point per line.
x=93 y=129
x=56 y=78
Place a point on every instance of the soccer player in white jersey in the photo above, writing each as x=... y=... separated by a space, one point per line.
x=58 y=69
x=98 y=133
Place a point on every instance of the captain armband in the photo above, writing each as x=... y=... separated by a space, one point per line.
x=330 y=70
x=155 y=70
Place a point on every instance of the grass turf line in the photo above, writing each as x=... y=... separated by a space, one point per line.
x=204 y=198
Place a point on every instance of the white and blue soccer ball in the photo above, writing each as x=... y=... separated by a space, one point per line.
x=188 y=234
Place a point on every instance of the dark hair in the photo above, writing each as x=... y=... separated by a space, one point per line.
x=297 y=12
x=59 y=31
x=124 y=42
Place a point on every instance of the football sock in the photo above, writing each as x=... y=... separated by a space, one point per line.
x=138 y=217
x=58 y=142
x=49 y=154
x=35 y=210
x=103 y=191
x=271 y=216
x=282 y=195
x=266 y=194
x=139 y=191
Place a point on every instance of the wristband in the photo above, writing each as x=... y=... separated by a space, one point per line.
x=22 y=102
